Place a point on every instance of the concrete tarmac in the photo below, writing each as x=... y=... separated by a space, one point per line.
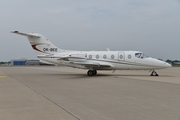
x=62 y=93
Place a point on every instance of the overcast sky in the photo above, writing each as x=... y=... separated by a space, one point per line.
x=150 y=26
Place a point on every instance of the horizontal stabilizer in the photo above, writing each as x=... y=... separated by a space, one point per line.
x=26 y=34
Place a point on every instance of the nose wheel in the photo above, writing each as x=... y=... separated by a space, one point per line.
x=91 y=72
x=154 y=73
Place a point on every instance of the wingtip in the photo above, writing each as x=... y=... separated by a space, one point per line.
x=14 y=31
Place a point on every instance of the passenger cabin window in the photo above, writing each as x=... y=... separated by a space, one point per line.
x=112 y=56
x=121 y=56
x=104 y=56
x=129 y=56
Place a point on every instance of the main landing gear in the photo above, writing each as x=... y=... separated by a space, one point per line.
x=91 y=72
x=154 y=73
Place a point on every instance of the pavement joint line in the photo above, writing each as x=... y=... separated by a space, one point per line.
x=49 y=100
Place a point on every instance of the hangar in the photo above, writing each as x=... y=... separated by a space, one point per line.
x=22 y=62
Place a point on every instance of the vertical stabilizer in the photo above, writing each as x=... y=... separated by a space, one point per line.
x=40 y=44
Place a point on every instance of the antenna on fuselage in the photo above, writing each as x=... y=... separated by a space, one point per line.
x=108 y=49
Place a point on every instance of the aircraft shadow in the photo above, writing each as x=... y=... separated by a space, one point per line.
x=78 y=76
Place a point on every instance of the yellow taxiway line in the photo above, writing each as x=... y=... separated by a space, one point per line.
x=3 y=76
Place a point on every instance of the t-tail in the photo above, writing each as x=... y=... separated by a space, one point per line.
x=40 y=44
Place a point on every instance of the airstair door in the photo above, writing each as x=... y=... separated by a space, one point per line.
x=121 y=56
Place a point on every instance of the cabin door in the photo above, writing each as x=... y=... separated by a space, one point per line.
x=121 y=56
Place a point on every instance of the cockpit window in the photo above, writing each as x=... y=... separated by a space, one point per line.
x=144 y=56
x=138 y=55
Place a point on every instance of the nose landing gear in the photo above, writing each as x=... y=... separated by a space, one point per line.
x=154 y=73
x=91 y=72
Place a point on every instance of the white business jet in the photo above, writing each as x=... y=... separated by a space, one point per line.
x=92 y=60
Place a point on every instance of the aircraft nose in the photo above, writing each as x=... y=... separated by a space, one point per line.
x=167 y=65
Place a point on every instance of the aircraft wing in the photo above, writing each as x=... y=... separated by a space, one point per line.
x=93 y=64
x=80 y=59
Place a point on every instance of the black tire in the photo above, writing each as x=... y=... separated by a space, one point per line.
x=154 y=73
x=94 y=72
x=90 y=73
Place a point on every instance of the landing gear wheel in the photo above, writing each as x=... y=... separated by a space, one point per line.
x=154 y=73
x=94 y=72
x=90 y=73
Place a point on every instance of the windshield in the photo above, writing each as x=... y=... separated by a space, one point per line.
x=140 y=55
x=144 y=56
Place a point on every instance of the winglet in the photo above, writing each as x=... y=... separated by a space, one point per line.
x=26 y=34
